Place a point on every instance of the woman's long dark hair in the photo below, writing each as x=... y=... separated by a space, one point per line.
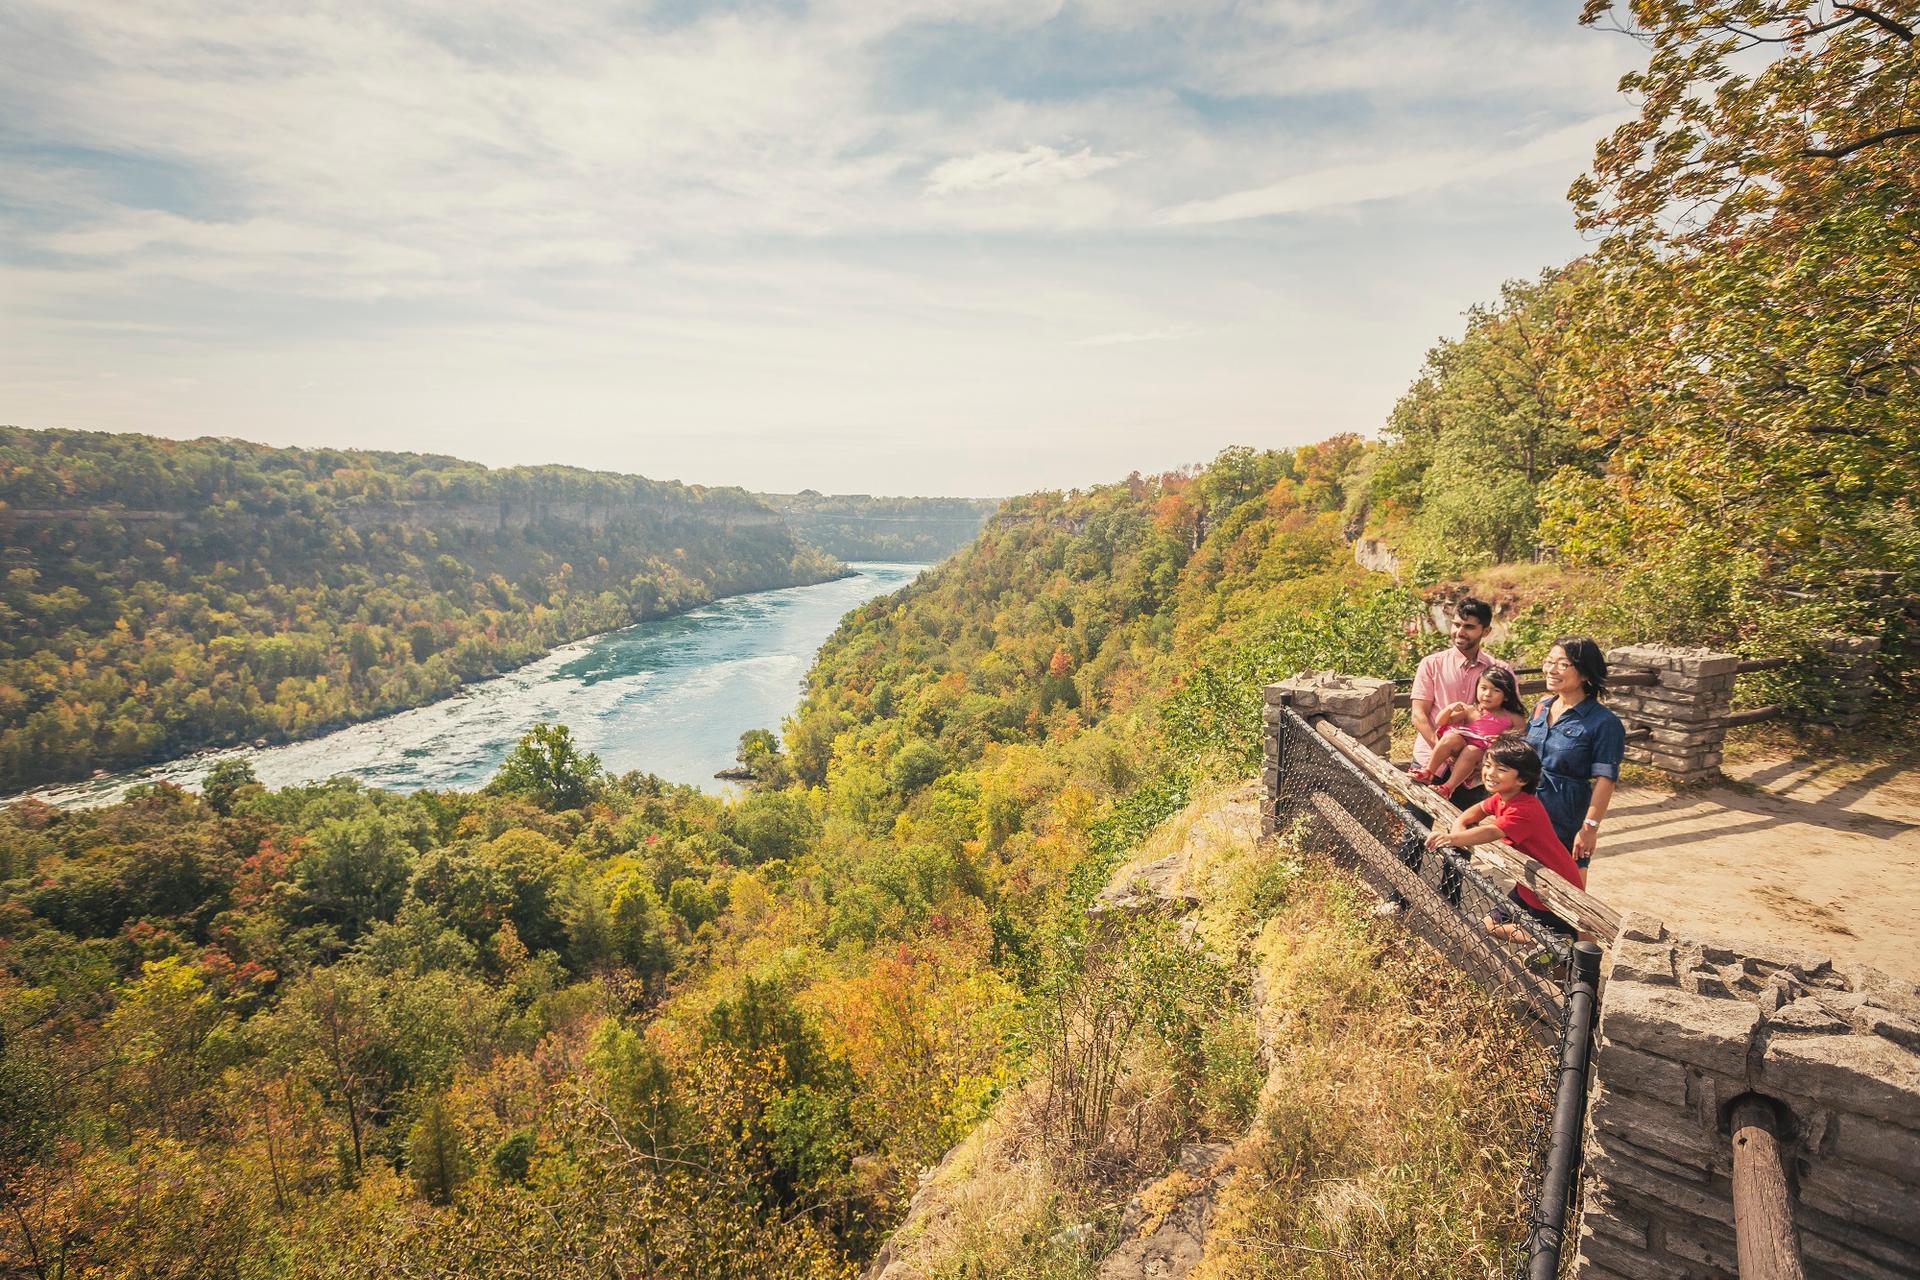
x=1585 y=656
x=1502 y=679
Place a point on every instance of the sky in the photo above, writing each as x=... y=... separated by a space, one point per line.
x=886 y=246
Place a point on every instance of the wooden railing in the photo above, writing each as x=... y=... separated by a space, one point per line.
x=1593 y=918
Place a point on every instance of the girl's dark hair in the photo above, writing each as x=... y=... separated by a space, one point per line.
x=1588 y=660
x=1515 y=752
x=1502 y=679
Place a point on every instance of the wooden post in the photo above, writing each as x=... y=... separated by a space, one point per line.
x=1762 y=1205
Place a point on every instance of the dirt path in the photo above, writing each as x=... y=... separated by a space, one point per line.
x=1823 y=856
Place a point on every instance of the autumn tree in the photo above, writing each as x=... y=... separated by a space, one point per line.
x=1479 y=431
x=1746 y=348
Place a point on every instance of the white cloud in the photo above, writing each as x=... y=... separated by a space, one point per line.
x=1037 y=166
x=1173 y=333
x=1395 y=177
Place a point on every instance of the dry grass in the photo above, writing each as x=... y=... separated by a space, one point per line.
x=1396 y=1125
x=1391 y=1133
x=998 y=1207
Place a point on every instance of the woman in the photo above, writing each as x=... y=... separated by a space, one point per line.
x=1580 y=744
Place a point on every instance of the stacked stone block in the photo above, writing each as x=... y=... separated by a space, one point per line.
x=1847 y=670
x=1360 y=705
x=1689 y=1027
x=1681 y=713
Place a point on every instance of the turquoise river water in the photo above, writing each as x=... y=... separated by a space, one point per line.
x=670 y=696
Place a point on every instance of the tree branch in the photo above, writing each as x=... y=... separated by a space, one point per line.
x=1879 y=20
x=1861 y=144
x=1791 y=37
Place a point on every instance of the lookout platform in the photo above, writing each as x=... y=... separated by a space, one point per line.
x=1822 y=856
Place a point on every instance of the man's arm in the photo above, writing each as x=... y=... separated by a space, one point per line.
x=1420 y=701
x=1422 y=709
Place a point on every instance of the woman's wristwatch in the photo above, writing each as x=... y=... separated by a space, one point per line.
x=1590 y=822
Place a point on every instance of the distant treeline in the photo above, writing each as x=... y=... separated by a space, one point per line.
x=157 y=596
x=856 y=526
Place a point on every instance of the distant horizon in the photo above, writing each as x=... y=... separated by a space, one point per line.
x=951 y=246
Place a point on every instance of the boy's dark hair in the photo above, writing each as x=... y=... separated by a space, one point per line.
x=1472 y=607
x=1503 y=680
x=1515 y=752
x=1588 y=659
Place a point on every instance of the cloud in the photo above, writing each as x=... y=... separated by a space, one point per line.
x=1394 y=177
x=1037 y=166
x=1173 y=333
x=430 y=216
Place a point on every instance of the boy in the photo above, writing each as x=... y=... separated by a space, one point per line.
x=1511 y=812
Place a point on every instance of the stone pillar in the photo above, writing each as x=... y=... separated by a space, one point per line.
x=1360 y=705
x=1681 y=712
x=1687 y=1028
x=1847 y=671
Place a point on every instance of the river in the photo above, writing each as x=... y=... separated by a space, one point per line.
x=671 y=696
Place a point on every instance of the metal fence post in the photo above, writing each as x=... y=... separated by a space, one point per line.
x=1569 y=1114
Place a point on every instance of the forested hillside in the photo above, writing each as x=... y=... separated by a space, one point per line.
x=576 y=1021
x=1716 y=412
x=157 y=596
x=856 y=526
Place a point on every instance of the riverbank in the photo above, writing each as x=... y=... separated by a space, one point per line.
x=670 y=695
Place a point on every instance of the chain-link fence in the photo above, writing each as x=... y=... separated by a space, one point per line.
x=1528 y=961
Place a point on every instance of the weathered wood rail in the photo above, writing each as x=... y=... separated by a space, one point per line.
x=1593 y=918
x=1762 y=1201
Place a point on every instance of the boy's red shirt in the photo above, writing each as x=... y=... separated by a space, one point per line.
x=1524 y=824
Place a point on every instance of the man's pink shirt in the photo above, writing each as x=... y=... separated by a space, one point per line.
x=1446 y=677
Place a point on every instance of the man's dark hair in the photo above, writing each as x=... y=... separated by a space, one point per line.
x=1473 y=607
x=1515 y=752
x=1588 y=660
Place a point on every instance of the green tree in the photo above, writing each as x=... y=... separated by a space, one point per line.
x=226 y=783
x=547 y=768
x=352 y=873
x=1480 y=430
x=437 y=1157
x=1745 y=350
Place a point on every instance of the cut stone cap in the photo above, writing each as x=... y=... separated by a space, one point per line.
x=1683 y=661
x=1787 y=1024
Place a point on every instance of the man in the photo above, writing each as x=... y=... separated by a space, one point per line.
x=1450 y=675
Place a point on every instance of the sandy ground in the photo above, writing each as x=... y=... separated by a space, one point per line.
x=1799 y=853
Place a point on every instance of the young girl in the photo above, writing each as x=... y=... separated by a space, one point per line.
x=1496 y=709
x=1512 y=812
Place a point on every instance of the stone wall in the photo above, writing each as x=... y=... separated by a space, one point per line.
x=1688 y=1027
x=1681 y=712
